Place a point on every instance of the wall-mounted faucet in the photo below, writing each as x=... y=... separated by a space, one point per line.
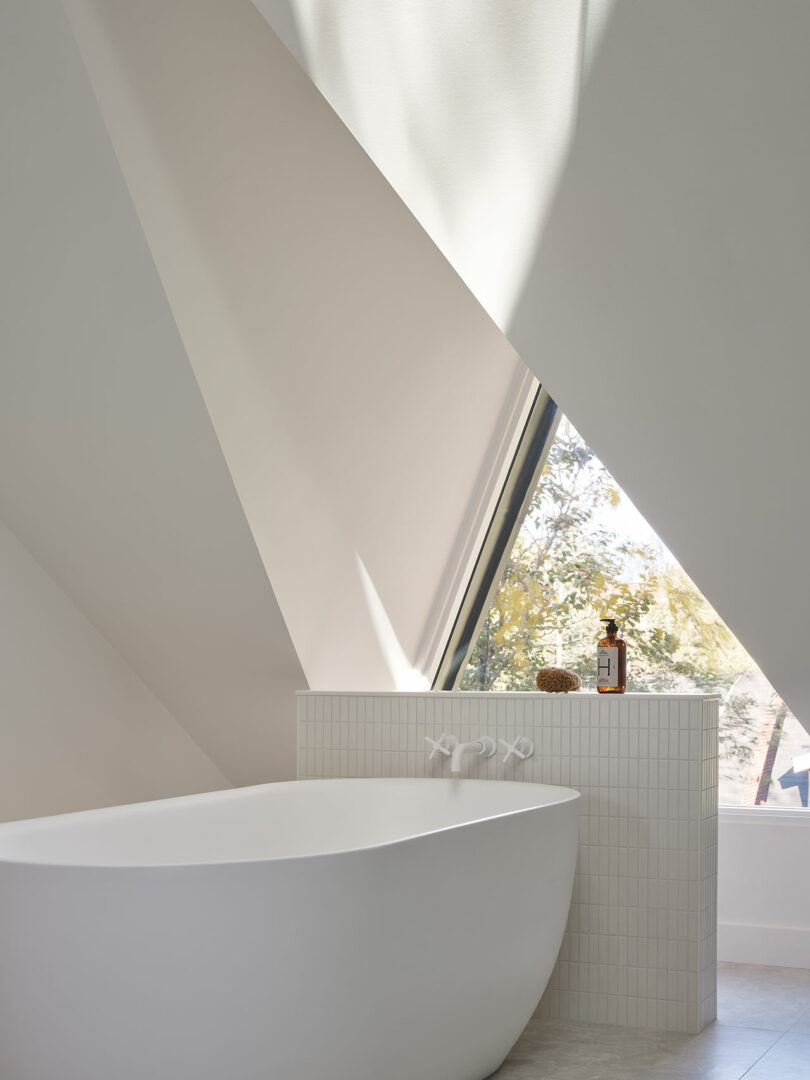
x=483 y=746
x=447 y=745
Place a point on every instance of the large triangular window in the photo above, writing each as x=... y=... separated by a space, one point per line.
x=582 y=552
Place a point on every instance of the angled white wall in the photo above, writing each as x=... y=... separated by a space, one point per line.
x=663 y=301
x=466 y=106
x=78 y=728
x=362 y=398
x=111 y=474
x=670 y=292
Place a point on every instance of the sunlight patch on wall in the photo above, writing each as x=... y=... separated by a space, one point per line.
x=404 y=675
x=466 y=108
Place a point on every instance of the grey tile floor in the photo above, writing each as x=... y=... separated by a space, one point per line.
x=762 y=1033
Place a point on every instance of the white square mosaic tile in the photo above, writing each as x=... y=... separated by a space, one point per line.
x=641 y=941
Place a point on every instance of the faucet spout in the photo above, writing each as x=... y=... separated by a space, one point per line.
x=484 y=747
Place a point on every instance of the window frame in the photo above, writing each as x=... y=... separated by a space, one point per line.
x=510 y=511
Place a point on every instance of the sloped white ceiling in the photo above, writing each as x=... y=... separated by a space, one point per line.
x=466 y=106
x=363 y=399
x=110 y=471
x=663 y=301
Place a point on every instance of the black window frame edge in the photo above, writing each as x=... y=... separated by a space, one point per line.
x=509 y=514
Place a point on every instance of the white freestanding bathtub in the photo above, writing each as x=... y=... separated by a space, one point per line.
x=314 y=930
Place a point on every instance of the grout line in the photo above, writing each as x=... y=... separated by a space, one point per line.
x=752 y=1027
x=744 y=1027
x=781 y=1036
x=805 y=1015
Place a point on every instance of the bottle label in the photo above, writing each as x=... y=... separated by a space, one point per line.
x=607 y=665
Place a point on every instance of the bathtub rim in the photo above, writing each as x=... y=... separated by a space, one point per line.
x=10 y=827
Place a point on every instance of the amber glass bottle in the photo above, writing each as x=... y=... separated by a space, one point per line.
x=611 y=661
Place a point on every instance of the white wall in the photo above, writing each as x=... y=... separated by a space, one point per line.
x=363 y=399
x=111 y=474
x=78 y=729
x=670 y=292
x=764 y=883
x=466 y=107
x=663 y=299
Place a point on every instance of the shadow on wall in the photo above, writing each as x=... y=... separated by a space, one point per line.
x=286 y=25
x=665 y=310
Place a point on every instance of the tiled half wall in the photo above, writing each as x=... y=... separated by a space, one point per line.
x=640 y=945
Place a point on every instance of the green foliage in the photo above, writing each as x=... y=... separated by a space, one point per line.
x=568 y=569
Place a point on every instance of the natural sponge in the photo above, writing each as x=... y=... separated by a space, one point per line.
x=557 y=680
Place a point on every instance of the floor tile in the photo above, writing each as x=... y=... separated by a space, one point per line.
x=802 y=1025
x=562 y=1050
x=772 y=998
x=763 y=1033
x=586 y=1054
x=722 y=1052
x=788 y=1059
